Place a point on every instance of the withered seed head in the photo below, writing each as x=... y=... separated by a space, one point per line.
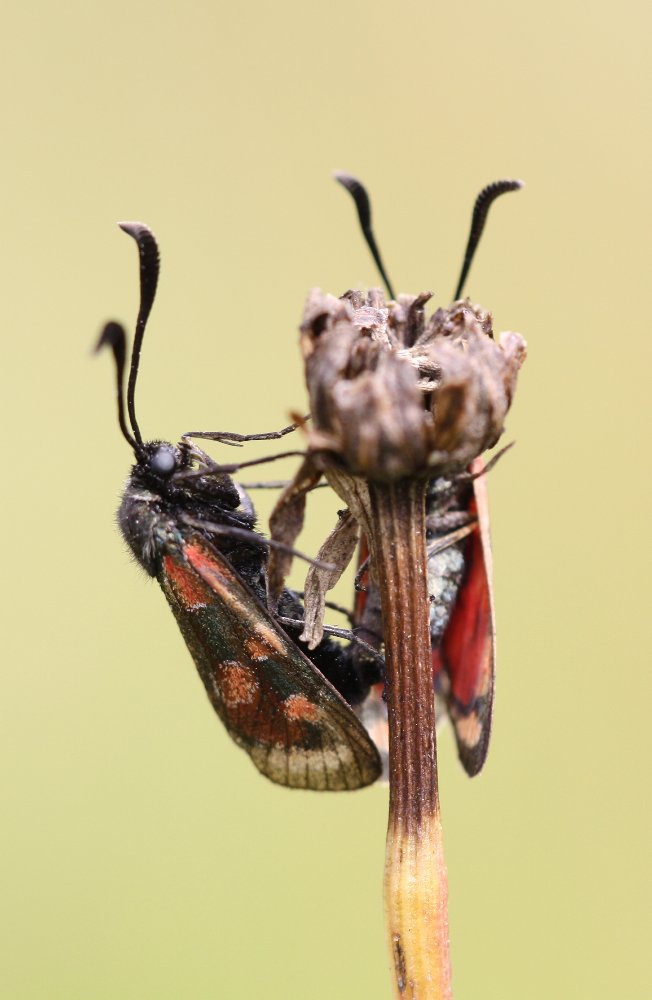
x=393 y=394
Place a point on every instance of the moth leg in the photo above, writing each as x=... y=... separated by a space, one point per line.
x=331 y=605
x=340 y=633
x=445 y=541
x=227 y=437
x=279 y=484
x=486 y=466
x=362 y=569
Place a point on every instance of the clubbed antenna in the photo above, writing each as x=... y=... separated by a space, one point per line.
x=359 y=194
x=480 y=211
x=149 y=270
x=113 y=336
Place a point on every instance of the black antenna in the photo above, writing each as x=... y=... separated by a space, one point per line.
x=359 y=194
x=478 y=219
x=113 y=336
x=149 y=270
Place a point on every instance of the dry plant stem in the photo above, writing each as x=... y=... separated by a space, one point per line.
x=416 y=885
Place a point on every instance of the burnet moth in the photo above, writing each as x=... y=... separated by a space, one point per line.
x=459 y=564
x=189 y=525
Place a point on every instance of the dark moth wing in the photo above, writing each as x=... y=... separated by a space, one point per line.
x=465 y=659
x=275 y=704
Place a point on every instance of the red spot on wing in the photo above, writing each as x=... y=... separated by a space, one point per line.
x=206 y=564
x=257 y=649
x=238 y=684
x=190 y=590
x=298 y=708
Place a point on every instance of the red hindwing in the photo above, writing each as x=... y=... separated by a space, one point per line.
x=467 y=652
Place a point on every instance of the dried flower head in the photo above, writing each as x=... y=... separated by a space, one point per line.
x=392 y=394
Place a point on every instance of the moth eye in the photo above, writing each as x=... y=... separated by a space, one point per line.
x=163 y=461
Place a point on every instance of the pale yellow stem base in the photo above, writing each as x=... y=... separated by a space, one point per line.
x=416 y=898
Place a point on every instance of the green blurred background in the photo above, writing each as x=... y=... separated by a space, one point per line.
x=142 y=856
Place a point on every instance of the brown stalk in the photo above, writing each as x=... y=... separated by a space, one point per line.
x=416 y=885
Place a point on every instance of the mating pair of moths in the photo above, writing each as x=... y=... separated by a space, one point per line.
x=190 y=525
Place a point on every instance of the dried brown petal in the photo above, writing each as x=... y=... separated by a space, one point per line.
x=286 y=522
x=337 y=550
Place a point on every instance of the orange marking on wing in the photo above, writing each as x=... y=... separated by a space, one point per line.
x=190 y=590
x=298 y=708
x=269 y=637
x=469 y=729
x=238 y=684
x=256 y=649
x=220 y=577
x=204 y=562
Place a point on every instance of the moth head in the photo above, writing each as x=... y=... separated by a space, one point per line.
x=163 y=460
x=159 y=462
